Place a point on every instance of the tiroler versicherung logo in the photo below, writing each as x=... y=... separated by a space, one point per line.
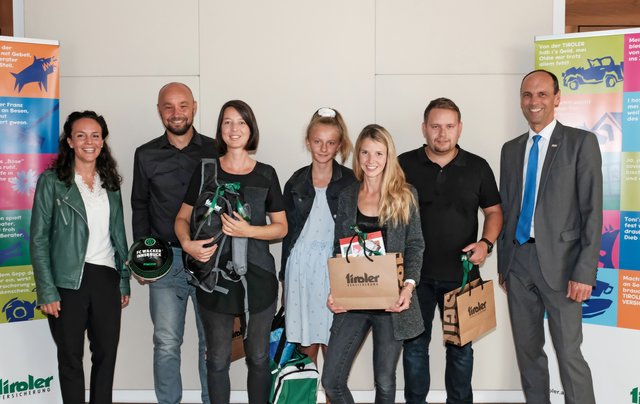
x=23 y=388
x=362 y=280
x=477 y=309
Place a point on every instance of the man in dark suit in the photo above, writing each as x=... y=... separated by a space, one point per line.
x=551 y=190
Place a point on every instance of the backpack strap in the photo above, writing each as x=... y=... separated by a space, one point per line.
x=205 y=173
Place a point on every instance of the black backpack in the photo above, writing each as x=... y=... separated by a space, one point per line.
x=214 y=199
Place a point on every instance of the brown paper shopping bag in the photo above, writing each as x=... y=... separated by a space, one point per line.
x=366 y=282
x=469 y=312
x=237 y=340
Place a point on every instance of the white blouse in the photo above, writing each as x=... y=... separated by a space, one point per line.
x=96 y=203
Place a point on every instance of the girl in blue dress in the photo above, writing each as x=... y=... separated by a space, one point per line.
x=311 y=202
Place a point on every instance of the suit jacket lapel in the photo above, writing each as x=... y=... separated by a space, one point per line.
x=555 y=142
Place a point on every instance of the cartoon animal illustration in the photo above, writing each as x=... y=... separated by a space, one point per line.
x=37 y=72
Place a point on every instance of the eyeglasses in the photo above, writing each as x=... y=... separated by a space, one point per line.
x=326 y=112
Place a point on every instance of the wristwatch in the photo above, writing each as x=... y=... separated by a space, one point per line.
x=488 y=243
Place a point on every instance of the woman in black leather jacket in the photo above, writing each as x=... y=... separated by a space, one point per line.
x=311 y=202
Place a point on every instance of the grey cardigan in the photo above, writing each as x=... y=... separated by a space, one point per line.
x=406 y=239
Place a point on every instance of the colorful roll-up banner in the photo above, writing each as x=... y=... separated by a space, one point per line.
x=29 y=130
x=599 y=76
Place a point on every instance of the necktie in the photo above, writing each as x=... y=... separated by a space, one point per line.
x=528 y=201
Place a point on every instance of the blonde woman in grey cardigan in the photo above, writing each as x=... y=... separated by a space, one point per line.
x=380 y=200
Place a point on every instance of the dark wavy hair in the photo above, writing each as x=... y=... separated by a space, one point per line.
x=106 y=166
x=247 y=115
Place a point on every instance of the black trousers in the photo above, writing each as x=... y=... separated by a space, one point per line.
x=94 y=308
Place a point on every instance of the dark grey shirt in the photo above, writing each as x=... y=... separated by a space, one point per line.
x=161 y=175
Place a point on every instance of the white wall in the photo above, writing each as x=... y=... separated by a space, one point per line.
x=374 y=60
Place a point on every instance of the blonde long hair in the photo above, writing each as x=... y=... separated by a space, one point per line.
x=396 y=198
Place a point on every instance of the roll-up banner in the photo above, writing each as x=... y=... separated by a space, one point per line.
x=599 y=76
x=29 y=128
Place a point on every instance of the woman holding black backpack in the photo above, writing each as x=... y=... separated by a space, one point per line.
x=237 y=135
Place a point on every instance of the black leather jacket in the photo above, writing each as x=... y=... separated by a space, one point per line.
x=298 y=199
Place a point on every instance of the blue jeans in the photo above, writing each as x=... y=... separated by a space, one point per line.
x=348 y=333
x=219 y=329
x=415 y=359
x=168 y=300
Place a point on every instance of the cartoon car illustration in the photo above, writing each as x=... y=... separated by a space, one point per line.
x=600 y=70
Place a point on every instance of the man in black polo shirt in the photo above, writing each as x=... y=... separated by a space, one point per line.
x=452 y=184
x=162 y=171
